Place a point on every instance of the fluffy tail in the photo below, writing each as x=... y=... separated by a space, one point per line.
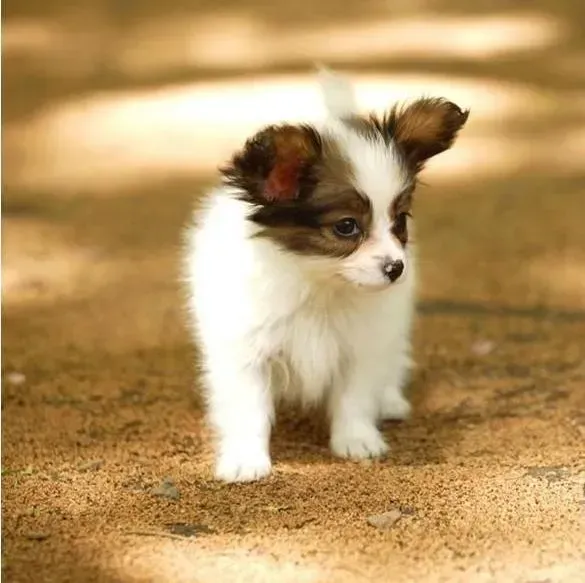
x=338 y=93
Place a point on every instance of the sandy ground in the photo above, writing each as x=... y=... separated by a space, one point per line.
x=106 y=470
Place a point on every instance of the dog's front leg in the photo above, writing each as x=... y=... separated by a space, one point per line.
x=393 y=403
x=354 y=412
x=241 y=411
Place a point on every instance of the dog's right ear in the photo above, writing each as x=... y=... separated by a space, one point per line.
x=275 y=166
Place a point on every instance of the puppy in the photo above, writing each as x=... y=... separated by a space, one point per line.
x=302 y=278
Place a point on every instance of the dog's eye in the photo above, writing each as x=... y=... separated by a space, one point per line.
x=346 y=228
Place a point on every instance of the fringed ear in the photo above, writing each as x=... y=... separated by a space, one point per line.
x=425 y=128
x=275 y=165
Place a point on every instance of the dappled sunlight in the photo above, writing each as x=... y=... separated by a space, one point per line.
x=100 y=142
x=43 y=266
x=104 y=142
x=71 y=46
x=497 y=156
x=77 y=42
x=274 y=553
x=54 y=274
x=26 y=36
x=116 y=117
x=562 y=571
x=147 y=303
x=161 y=561
x=571 y=65
x=38 y=264
x=237 y=40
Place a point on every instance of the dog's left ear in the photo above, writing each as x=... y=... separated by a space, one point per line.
x=275 y=165
x=425 y=128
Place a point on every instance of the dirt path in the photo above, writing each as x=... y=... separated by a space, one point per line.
x=105 y=462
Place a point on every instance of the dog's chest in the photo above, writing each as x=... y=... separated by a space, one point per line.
x=310 y=356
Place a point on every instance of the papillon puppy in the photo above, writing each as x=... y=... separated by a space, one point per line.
x=302 y=280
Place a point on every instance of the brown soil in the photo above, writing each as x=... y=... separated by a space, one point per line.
x=106 y=463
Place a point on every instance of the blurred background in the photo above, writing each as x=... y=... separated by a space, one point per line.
x=116 y=115
x=140 y=101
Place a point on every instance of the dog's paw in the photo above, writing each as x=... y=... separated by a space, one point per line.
x=358 y=442
x=395 y=407
x=239 y=465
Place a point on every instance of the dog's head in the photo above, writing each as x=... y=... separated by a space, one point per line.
x=344 y=194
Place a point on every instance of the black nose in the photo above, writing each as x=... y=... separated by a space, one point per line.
x=393 y=269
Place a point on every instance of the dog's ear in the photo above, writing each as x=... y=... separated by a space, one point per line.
x=276 y=164
x=425 y=128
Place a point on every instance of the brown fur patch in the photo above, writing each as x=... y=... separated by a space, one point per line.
x=313 y=234
x=293 y=148
x=306 y=226
x=300 y=184
x=427 y=127
x=275 y=165
x=403 y=202
x=369 y=127
x=420 y=130
x=400 y=210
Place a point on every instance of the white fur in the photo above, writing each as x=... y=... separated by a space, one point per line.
x=273 y=325
x=380 y=176
x=338 y=93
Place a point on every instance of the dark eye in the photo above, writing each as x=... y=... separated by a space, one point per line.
x=347 y=228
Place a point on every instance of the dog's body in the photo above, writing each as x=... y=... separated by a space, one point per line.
x=302 y=280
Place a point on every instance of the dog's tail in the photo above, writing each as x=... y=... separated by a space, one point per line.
x=338 y=93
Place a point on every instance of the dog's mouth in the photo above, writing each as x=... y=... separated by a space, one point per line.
x=367 y=287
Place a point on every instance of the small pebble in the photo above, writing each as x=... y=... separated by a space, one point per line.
x=90 y=466
x=167 y=489
x=278 y=508
x=37 y=536
x=188 y=530
x=483 y=347
x=386 y=520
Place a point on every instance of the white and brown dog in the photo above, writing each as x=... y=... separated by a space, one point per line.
x=302 y=279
